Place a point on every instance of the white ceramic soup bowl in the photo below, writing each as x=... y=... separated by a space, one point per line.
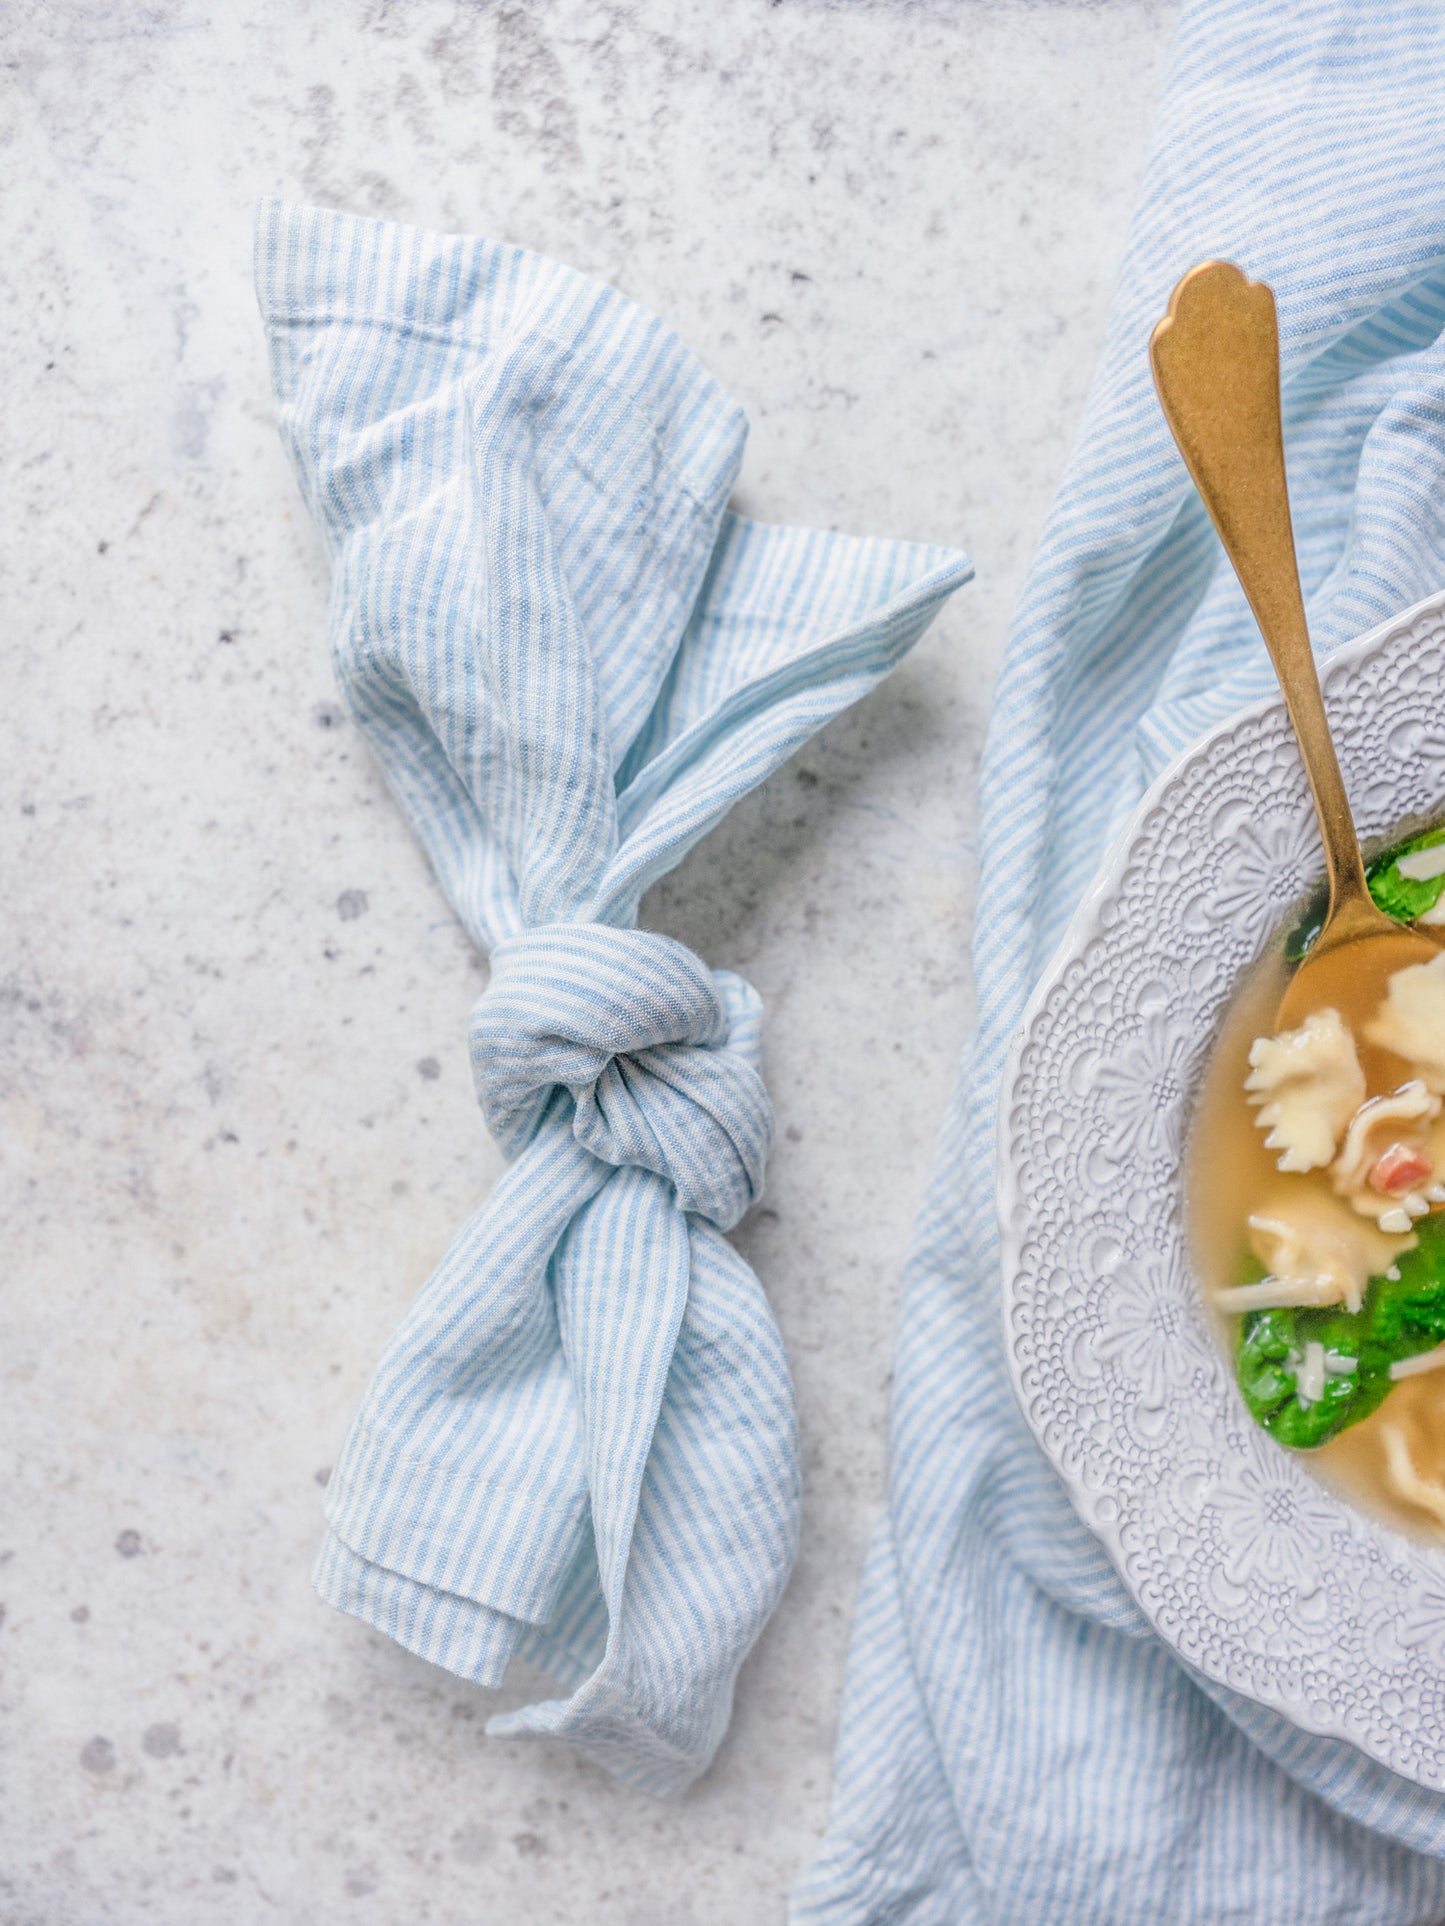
x=1255 y=1573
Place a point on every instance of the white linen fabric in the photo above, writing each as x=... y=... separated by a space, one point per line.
x=1017 y=1744
x=571 y=660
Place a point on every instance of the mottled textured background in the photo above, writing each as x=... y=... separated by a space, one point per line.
x=238 y=1129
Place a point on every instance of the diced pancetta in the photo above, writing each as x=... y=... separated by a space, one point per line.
x=1397 y=1124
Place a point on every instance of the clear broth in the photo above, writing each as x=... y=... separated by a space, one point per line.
x=1229 y=1175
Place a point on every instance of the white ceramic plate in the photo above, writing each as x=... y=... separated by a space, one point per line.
x=1253 y=1572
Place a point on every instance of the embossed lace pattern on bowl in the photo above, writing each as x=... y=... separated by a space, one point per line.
x=1256 y=1574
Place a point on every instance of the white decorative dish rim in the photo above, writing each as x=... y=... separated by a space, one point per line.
x=1251 y=1569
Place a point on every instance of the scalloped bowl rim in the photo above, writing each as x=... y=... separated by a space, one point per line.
x=1086 y=928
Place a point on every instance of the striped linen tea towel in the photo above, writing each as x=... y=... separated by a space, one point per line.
x=571 y=660
x=1017 y=1744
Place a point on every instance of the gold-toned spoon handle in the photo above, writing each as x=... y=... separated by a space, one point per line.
x=1215 y=357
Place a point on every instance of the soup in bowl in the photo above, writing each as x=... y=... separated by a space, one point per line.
x=1316 y=1194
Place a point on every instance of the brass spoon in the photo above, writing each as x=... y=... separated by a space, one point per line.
x=1215 y=357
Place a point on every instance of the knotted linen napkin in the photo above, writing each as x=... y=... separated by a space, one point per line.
x=571 y=660
x=1017 y=1745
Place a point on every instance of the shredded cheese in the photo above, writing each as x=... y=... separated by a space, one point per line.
x=1421 y=1362
x=1280 y=1294
x=1309 y=1377
x=1422 y=865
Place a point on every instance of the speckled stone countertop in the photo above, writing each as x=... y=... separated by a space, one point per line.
x=238 y=1128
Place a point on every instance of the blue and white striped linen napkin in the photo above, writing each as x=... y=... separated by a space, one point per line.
x=1016 y=1744
x=571 y=660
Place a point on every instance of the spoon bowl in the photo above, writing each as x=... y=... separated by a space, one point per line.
x=1352 y=977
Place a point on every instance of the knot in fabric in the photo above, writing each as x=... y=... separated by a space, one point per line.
x=660 y=1053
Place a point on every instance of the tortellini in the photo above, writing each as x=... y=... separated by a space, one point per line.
x=1411 y=1020
x=1385 y=1133
x=1308 y=1084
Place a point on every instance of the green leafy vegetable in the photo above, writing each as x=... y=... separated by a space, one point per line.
x=1271 y=1353
x=1402 y=896
x=1300 y=941
x=1399 y=896
x=1399 y=1317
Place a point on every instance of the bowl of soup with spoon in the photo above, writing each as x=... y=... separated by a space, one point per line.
x=1266 y=1536
x=1221 y=1170
x=1317 y=1209
x=1342 y=1291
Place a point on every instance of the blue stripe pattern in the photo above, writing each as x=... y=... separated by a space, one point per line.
x=1016 y=1745
x=580 y=1446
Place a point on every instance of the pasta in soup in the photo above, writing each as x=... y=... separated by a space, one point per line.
x=1317 y=1208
